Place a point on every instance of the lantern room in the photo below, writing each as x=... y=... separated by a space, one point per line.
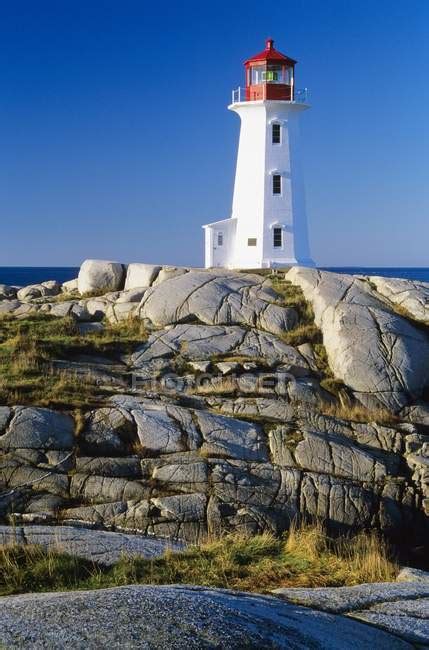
x=270 y=75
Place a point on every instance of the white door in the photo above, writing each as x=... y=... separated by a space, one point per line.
x=219 y=248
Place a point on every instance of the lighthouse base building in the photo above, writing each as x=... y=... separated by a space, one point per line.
x=268 y=225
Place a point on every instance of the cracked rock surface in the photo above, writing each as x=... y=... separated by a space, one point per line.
x=401 y=608
x=178 y=617
x=379 y=354
x=216 y=420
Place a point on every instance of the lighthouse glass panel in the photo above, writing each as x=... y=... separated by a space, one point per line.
x=257 y=73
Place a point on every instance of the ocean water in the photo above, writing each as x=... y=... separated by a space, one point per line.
x=21 y=276
x=407 y=273
x=24 y=275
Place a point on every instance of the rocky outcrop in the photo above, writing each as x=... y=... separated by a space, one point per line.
x=153 y=466
x=181 y=617
x=215 y=422
x=380 y=355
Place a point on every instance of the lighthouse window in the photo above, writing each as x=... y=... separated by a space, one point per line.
x=220 y=239
x=276 y=134
x=277 y=237
x=277 y=184
x=251 y=241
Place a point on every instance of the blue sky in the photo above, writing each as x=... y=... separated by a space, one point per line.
x=116 y=141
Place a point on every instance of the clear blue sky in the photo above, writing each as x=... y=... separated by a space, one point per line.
x=115 y=140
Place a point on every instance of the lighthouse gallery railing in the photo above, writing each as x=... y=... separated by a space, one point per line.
x=239 y=95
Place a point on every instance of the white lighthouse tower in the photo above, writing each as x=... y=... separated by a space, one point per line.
x=268 y=225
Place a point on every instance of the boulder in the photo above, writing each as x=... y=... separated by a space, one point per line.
x=100 y=275
x=381 y=356
x=49 y=288
x=141 y=275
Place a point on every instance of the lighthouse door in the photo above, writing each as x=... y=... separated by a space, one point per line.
x=218 y=248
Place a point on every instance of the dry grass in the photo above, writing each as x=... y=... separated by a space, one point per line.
x=358 y=413
x=28 y=347
x=259 y=563
x=364 y=557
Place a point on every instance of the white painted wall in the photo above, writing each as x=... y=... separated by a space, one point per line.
x=255 y=209
x=220 y=256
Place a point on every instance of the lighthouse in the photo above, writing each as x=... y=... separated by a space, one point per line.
x=268 y=224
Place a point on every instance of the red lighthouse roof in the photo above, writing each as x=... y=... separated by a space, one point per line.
x=270 y=54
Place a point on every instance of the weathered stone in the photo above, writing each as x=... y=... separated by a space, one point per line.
x=200 y=342
x=140 y=275
x=121 y=311
x=265 y=409
x=228 y=367
x=159 y=432
x=50 y=288
x=380 y=355
x=228 y=438
x=246 y=484
x=183 y=474
x=410 y=574
x=337 y=501
x=168 y=272
x=410 y=295
x=101 y=489
x=180 y=617
x=200 y=366
x=9 y=306
x=339 y=456
x=48 y=504
x=181 y=507
x=17 y=475
x=96 y=545
x=402 y=609
x=118 y=467
x=70 y=286
x=38 y=428
x=131 y=295
x=214 y=300
x=97 y=307
x=100 y=275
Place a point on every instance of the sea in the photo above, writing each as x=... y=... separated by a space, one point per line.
x=24 y=275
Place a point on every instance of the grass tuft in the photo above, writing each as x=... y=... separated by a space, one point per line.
x=259 y=563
